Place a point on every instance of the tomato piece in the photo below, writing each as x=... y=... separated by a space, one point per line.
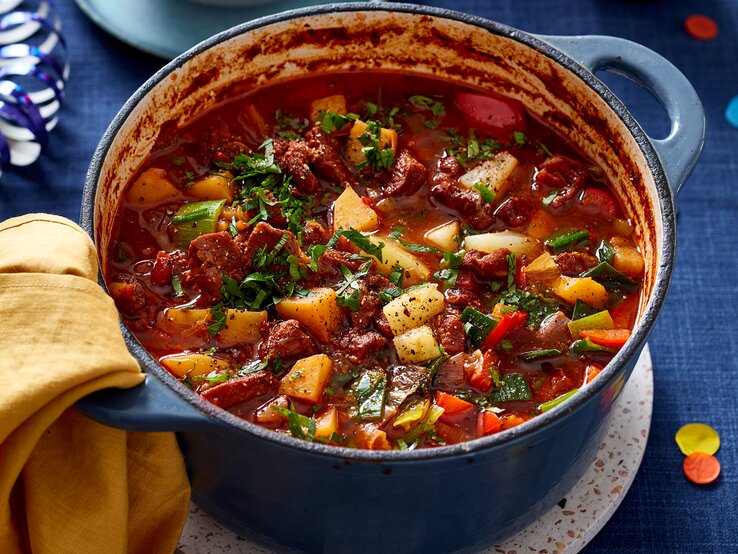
x=479 y=374
x=509 y=322
x=451 y=404
x=492 y=115
x=161 y=273
x=597 y=200
x=488 y=423
x=611 y=338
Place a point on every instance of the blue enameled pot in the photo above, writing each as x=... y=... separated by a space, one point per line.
x=310 y=497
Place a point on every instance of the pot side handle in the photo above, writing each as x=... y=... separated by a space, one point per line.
x=680 y=150
x=149 y=406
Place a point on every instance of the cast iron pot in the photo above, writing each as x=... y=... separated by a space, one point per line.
x=310 y=497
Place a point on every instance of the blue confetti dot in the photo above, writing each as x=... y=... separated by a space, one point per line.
x=731 y=112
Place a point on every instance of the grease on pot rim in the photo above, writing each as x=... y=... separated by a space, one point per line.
x=697 y=437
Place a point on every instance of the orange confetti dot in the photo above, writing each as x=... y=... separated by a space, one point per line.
x=701 y=27
x=701 y=468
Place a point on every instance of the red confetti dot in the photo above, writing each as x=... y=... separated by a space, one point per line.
x=701 y=27
x=701 y=468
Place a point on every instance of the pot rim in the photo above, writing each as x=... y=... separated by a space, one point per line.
x=510 y=436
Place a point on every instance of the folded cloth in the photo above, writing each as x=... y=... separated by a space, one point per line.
x=68 y=484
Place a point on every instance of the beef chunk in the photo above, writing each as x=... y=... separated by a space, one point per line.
x=218 y=250
x=292 y=157
x=449 y=331
x=574 y=263
x=167 y=264
x=467 y=203
x=265 y=236
x=210 y=257
x=315 y=233
x=329 y=264
x=515 y=212
x=565 y=174
x=287 y=340
x=408 y=176
x=382 y=325
x=486 y=266
x=324 y=155
x=462 y=298
x=358 y=345
x=130 y=297
x=240 y=390
x=450 y=166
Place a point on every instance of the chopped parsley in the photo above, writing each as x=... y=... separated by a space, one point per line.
x=376 y=157
x=331 y=121
x=177 y=286
x=360 y=239
x=349 y=293
x=520 y=138
x=218 y=315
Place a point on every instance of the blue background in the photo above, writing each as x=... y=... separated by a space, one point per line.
x=694 y=345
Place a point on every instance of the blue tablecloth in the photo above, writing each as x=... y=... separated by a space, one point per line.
x=695 y=343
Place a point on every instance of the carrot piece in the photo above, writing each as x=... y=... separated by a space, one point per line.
x=488 y=423
x=591 y=372
x=611 y=338
x=451 y=404
x=512 y=420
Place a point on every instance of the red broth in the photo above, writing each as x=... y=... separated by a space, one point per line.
x=375 y=260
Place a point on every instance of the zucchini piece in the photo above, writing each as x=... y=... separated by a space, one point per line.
x=611 y=278
x=514 y=387
x=546 y=406
x=477 y=325
x=600 y=320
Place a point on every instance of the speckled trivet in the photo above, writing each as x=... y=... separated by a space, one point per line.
x=565 y=529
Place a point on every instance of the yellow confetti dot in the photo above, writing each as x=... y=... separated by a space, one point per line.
x=697 y=437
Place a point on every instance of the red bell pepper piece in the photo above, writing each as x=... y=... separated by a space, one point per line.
x=451 y=404
x=509 y=322
x=611 y=338
x=492 y=115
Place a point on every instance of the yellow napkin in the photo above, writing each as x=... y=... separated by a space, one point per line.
x=68 y=484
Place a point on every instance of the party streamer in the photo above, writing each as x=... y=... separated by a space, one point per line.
x=34 y=67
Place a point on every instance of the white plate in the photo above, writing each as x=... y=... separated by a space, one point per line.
x=166 y=28
x=565 y=529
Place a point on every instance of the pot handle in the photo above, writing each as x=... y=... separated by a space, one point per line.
x=150 y=406
x=679 y=151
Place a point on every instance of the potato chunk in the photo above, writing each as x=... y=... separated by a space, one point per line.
x=413 y=270
x=586 y=289
x=242 y=327
x=518 y=243
x=335 y=104
x=318 y=312
x=414 y=308
x=417 y=345
x=213 y=187
x=354 y=147
x=307 y=378
x=192 y=365
x=492 y=174
x=629 y=261
x=543 y=268
x=151 y=188
x=327 y=423
x=445 y=237
x=349 y=211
